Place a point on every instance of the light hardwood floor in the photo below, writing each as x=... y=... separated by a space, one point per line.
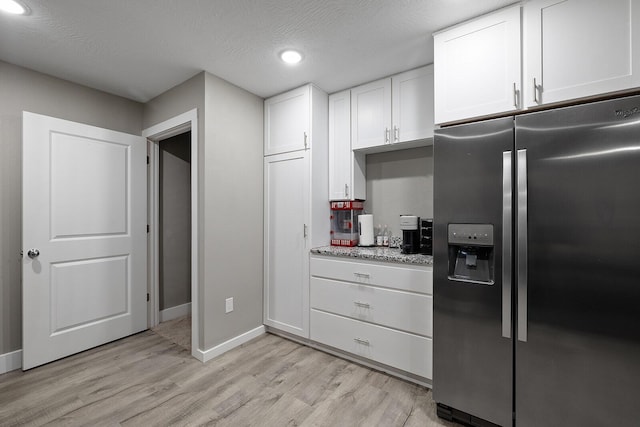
x=147 y=380
x=178 y=331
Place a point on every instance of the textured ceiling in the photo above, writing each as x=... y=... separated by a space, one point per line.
x=140 y=48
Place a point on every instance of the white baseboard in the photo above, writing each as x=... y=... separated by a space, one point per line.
x=216 y=351
x=175 y=312
x=10 y=361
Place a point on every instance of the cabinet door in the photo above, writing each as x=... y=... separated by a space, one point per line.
x=477 y=67
x=286 y=266
x=286 y=122
x=340 y=145
x=412 y=106
x=578 y=48
x=371 y=115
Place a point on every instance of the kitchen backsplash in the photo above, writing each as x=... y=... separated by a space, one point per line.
x=399 y=182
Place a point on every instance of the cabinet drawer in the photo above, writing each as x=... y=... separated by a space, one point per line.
x=395 y=309
x=414 y=279
x=401 y=350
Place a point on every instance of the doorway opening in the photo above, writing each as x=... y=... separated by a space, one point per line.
x=173 y=230
x=174 y=239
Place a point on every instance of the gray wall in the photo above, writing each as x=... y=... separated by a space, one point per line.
x=230 y=186
x=22 y=89
x=399 y=182
x=233 y=156
x=230 y=192
x=175 y=221
x=177 y=100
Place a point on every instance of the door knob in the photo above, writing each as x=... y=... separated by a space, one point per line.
x=33 y=253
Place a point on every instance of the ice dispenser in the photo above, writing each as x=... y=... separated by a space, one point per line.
x=471 y=253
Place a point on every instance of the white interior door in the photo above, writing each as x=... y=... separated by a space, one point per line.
x=84 y=236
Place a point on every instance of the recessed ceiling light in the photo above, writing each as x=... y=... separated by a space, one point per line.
x=291 y=56
x=13 y=7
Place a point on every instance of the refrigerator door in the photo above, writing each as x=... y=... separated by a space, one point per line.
x=580 y=363
x=472 y=366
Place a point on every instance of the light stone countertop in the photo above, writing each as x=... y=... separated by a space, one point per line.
x=374 y=253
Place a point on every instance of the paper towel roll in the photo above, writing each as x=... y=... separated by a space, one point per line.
x=365 y=227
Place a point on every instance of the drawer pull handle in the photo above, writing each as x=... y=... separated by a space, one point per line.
x=361 y=341
x=362 y=304
x=362 y=275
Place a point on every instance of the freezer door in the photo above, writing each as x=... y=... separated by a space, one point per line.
x=580 y=363
x=472 y=367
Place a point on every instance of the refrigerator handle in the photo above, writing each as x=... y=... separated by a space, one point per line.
x=507 y=190
x=521 y=170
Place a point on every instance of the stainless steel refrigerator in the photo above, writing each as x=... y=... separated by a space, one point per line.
x=537 y=268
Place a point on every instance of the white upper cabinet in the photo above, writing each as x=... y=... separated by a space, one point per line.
x=286 y=122
x=346 y=169
x=339 y=145
x=371 y=114
x=477 y=67
x=412 y=104
x=394 y=110
x=571 y=49
x=579 y=48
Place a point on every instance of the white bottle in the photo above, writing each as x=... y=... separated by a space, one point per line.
x=379 y=238
x=385 y=236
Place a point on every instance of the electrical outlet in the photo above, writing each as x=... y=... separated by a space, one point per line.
x=229 y=305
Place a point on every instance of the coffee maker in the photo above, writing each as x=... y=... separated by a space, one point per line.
x=410 y=226
x=426 y=236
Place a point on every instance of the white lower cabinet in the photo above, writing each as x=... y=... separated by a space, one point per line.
x=396 y=276
x=375 y=310
x=409 y=352
x=396 y=309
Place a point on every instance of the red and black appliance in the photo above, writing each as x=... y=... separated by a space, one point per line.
x=344 y=222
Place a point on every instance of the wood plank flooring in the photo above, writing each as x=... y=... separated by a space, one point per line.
x=178 y=331
x=147 y=380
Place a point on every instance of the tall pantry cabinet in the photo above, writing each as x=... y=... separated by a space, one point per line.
x=296 y=210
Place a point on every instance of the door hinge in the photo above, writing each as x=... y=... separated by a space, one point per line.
x=147 y=228
x=147 y=159
x=147 y=296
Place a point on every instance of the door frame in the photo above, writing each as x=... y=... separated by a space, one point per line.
x=154 y=134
